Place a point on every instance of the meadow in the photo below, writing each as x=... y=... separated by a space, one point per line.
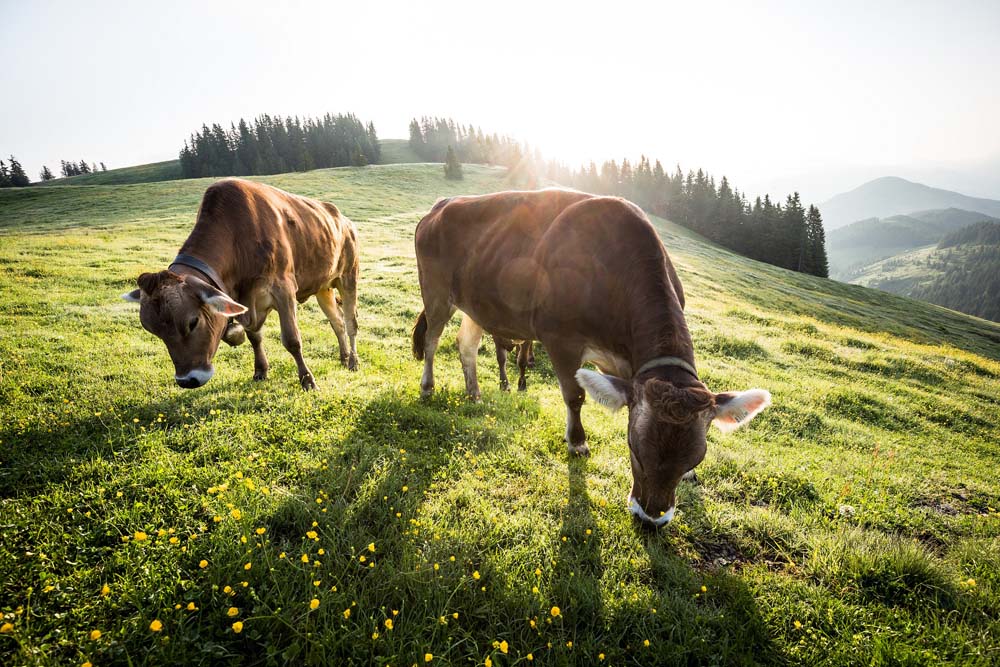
x=854 y=522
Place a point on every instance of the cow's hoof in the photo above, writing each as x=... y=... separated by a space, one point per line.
x=427 y=392
x=505 y=386
x=579 y=450
x=307 y=382
x=352 y=364
x=260 y=376
x=522 y=386
x=474 y=397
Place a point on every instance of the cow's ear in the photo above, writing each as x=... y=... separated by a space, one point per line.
x=608 y=390
x=132 y=296
x=736 y=409
x=223 y=305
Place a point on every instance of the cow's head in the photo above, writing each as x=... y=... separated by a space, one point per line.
x=666 y=431
x=190 y=316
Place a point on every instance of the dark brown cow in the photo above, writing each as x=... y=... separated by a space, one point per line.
x=590 y=280
x=253 y=249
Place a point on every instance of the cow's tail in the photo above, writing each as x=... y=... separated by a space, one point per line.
x=419 y=335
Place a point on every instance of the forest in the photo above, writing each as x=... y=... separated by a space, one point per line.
x=272 y=145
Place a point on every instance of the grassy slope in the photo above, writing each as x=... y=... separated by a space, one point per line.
x=842 y=527
x=167 y=170
x=395 y=151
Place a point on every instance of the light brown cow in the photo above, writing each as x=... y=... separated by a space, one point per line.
x=253 y=249
x=590 y=280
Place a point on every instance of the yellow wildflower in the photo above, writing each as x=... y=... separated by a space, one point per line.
x=236 y=514
x=313 y=603
x=475 y=575
x=261 y=530
x=555 y=611
x=95 y=635
x=428 y=657
x=233 y=611
x=503 y=647
x=140 y=536
x=704 y=589
x=645 y=642
x=311 y=534
x=305 y=558
x=203 y=563
x=105 y=589
x=347 y=614
x=192 y=607
x=156 y=625
x=6 y=628
x=238 y=627
x=388 y=624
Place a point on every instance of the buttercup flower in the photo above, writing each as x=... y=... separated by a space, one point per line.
x=555 y=611
x=95 y=635
x=156 y=625
x=233 y=611
x=238 y=627
x=313 y=603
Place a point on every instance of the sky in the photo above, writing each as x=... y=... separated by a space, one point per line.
x=813 y=96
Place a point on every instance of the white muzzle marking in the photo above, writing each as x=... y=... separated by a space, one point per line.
x=202 y=375
x=636 y=509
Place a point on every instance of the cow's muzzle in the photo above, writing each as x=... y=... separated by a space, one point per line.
x=195 y=378
x=663 y=519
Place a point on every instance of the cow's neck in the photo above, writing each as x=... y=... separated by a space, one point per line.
x=214 y=251
x=658 y=333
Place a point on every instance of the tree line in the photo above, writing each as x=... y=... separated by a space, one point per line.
x=72 y=169
x=272 y=145
x=790 y=235
x=787 y=235
x=432 y=138
x=12 y=175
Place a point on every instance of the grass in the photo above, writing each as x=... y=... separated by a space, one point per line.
x=854 y=522
x=168 y=170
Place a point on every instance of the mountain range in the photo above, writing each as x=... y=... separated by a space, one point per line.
x=891 y=196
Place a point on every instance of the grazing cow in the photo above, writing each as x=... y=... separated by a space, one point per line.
x=525 y=356
x=590 y=280
x=253 y=249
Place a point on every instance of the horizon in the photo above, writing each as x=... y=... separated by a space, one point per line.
x=843 y=104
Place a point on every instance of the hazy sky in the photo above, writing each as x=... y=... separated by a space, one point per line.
x=819 y=96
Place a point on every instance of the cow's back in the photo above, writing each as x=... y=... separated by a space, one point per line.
x=275 y=233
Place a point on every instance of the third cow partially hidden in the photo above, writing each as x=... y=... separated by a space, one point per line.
x=589 y=279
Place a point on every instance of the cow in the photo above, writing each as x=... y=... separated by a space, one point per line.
x=588 y=278
x=524 y=354
x=253 y=249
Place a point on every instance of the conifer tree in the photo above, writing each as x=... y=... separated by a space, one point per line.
x=46 y=174
x=16 y=175
x=452 y=167
x=4 y=175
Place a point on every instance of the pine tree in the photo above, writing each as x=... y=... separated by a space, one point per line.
x=818 y=265
x=452 y=167
x=103 y=168
x=16 y=176
x=46 y=174
x=4 y=175
x=84 y=168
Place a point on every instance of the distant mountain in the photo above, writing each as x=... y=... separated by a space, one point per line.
x=851 y=248
x=961 y=272
x=889 y=196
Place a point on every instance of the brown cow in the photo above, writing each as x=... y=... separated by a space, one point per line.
x=590 y=280
x=523 y=353
x=253 y=249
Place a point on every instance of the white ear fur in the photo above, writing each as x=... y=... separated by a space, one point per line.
x=133 y=296
x=602 y=389
x=741 y=408
x=221 y=303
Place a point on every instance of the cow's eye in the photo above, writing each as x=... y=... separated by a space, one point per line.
x=192 y=324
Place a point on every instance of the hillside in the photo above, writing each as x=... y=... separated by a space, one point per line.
x=855 y=522
x=394 y=151
x=889 y=196
x=167 y=170
x=852 y=247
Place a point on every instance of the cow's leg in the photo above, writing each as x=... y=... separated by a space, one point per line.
x=502 y=363
x=260 y=364
x=435 y=317
x=523 y=356
x=328 y=304
x=469 y=336
x=565 y=362
x=284 y=300
x=348 y=288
